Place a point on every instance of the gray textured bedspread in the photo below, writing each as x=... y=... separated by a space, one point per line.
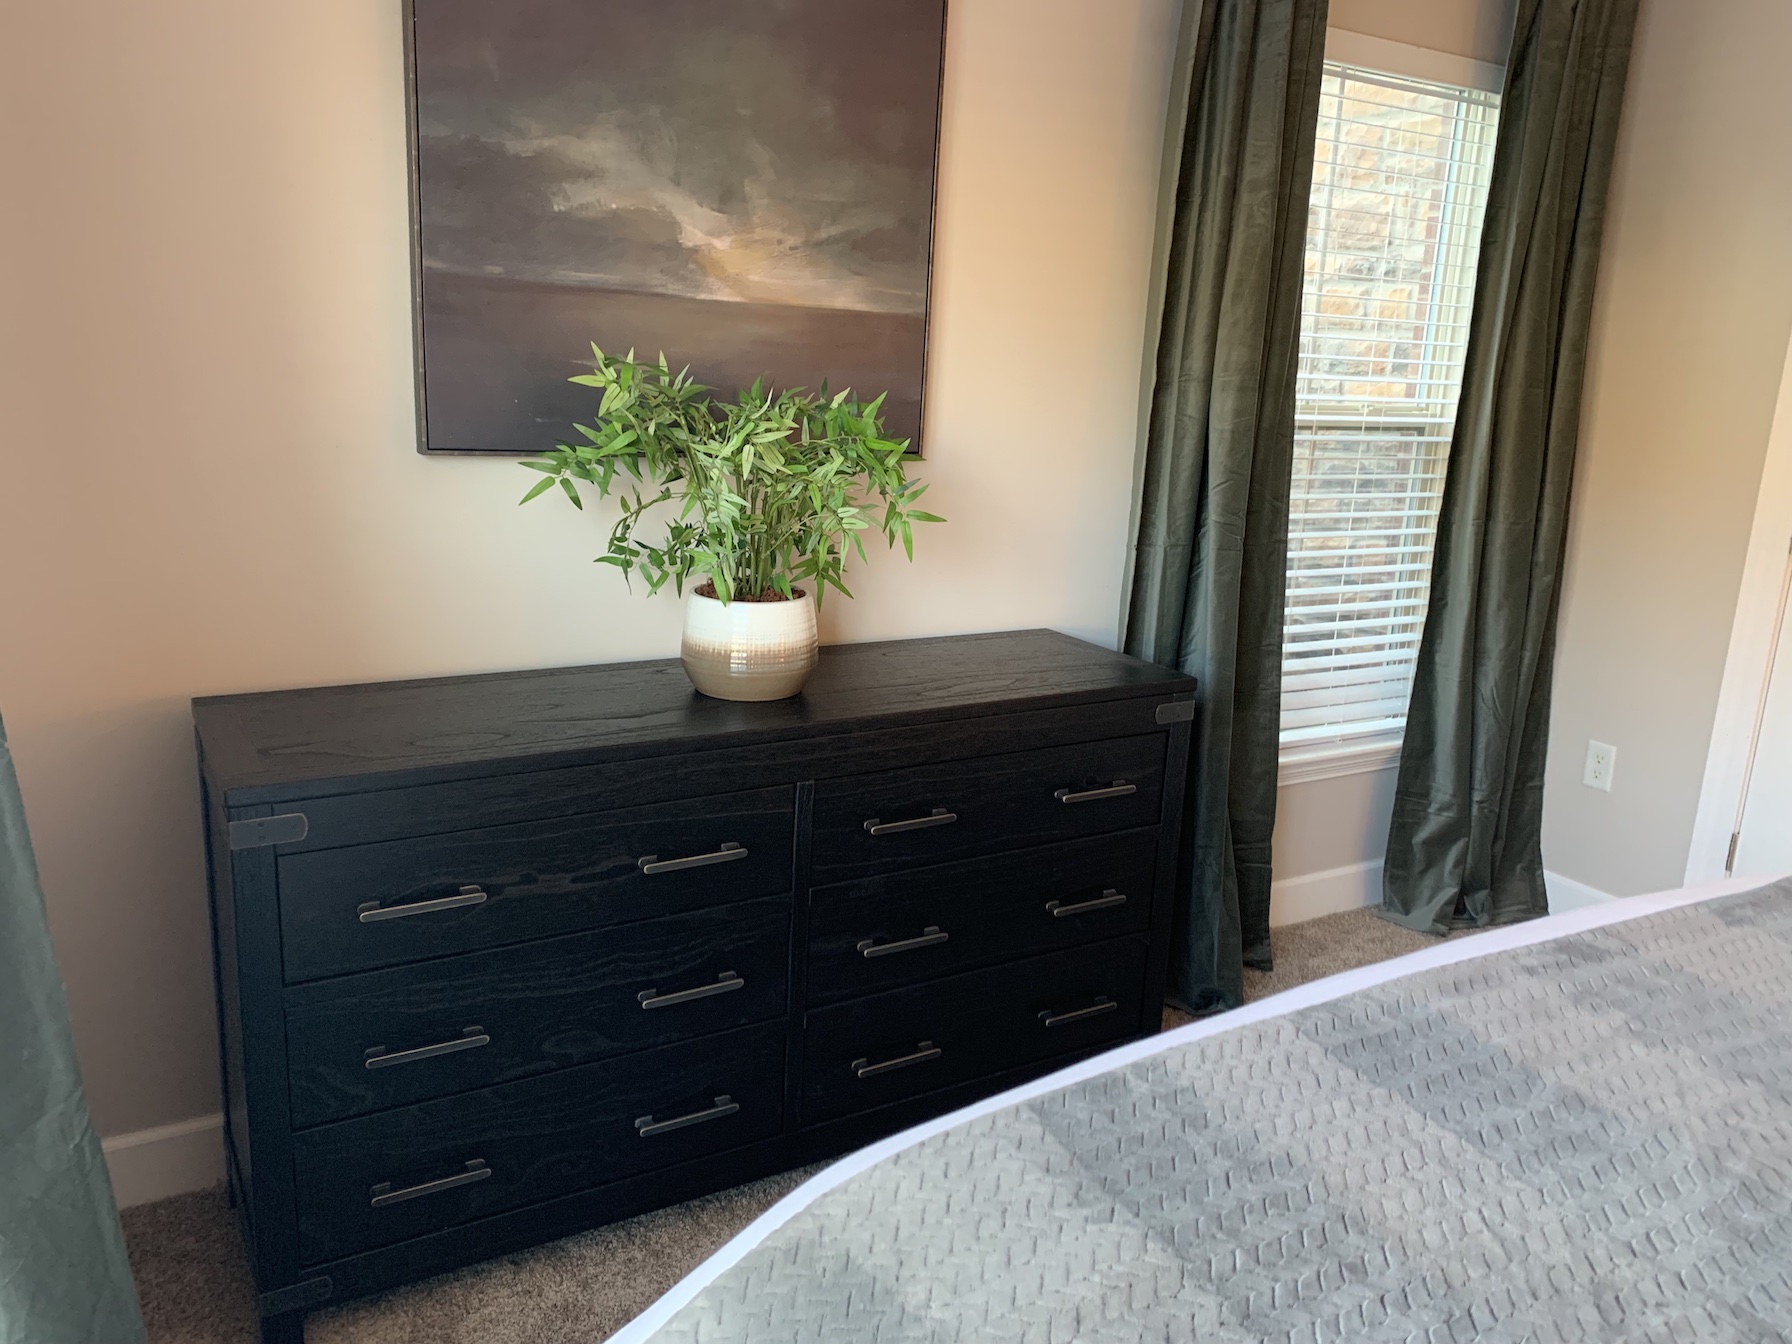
x=1585 y=1139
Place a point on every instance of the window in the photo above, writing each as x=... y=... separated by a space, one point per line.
x=1399 y=187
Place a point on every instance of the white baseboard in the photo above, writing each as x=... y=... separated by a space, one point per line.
x=1567 y=894
x=152 y=1164
x=1295 y=900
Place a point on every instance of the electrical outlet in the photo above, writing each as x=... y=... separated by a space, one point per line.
x=1602 y=760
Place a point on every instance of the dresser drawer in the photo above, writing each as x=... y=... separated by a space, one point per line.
x=881 y=932
x=359 y=1043
x=900 y=1044
x=904 y=818
x=365 y=906
x=399 y=1174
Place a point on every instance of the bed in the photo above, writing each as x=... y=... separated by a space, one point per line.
x=1574 y=1129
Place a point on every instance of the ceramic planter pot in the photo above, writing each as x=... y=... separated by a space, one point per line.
x=748 y=650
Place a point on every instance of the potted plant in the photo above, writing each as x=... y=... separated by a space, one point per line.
x=758 y=499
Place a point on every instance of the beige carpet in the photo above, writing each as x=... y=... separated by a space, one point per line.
x=194 y=1286
x=193 y=1278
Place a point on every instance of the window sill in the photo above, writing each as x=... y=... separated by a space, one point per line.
x=1332 y=760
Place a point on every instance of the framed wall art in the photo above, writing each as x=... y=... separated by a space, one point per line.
x=746 y=185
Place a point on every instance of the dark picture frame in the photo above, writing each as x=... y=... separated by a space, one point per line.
x=748 y=185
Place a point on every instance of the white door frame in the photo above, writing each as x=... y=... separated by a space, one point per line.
x=1751 y=652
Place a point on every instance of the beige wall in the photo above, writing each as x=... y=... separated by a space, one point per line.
x=1323 y=824
x=207 y=484
x=207 y=481
x=1478 y=29
x=1690 y=330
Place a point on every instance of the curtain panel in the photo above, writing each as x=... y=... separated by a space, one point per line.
x=64 y=1278
x=1208 y=570
x=1465 y=844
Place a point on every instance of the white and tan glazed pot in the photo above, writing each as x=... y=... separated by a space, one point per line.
x=748 y=650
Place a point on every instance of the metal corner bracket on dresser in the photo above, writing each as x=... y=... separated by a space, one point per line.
x=501 y=958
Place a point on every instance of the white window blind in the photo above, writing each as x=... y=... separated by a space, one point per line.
x=1399 y=187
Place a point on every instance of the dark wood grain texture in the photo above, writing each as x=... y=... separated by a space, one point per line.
x=405 y=730
x=1174 y=855
x=539 y=1139
x=532 y=1007
x=988 y=910
x=231 y=1068
x=541 y=793
x=999 y=802
x=980 y=1024
x=799 y=956
x=537 y=879
x=508 y=794
x=459 y=1244
x=258 y=1121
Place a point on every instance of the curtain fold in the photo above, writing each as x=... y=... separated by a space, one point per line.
x=1209 y=568
x=1465 y=844
x=64 y=1278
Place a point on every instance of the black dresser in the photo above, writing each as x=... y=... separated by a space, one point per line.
x=500 y=958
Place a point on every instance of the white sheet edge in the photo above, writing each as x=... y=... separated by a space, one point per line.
x=1301 y=996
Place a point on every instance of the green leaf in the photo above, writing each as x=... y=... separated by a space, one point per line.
x=766 y=486
x=544 y=484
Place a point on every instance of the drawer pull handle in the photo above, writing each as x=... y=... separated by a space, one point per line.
x=925 y=1051
x=373 y=912
x=724 y=983
x=653 y=863
x=384 y=1194
x=647 y=1126
x=938 y=817
x=1102 y=1004
x=931 y=936
x=1106 y=900
x=1118 y=789
x=378 y=1057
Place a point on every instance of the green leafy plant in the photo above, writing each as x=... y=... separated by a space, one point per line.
x=766 y=491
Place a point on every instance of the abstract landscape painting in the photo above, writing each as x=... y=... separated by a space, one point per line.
x=746 y=185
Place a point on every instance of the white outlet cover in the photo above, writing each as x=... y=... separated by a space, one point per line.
x=1602 y=762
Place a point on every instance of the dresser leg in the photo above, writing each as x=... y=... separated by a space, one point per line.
x=287 y=1328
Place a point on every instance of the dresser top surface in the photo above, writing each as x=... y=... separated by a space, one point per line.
x=415 y=729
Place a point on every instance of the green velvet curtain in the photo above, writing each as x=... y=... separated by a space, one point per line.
x=1465 y=845
x=63 y=1274
x=1209 y=569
